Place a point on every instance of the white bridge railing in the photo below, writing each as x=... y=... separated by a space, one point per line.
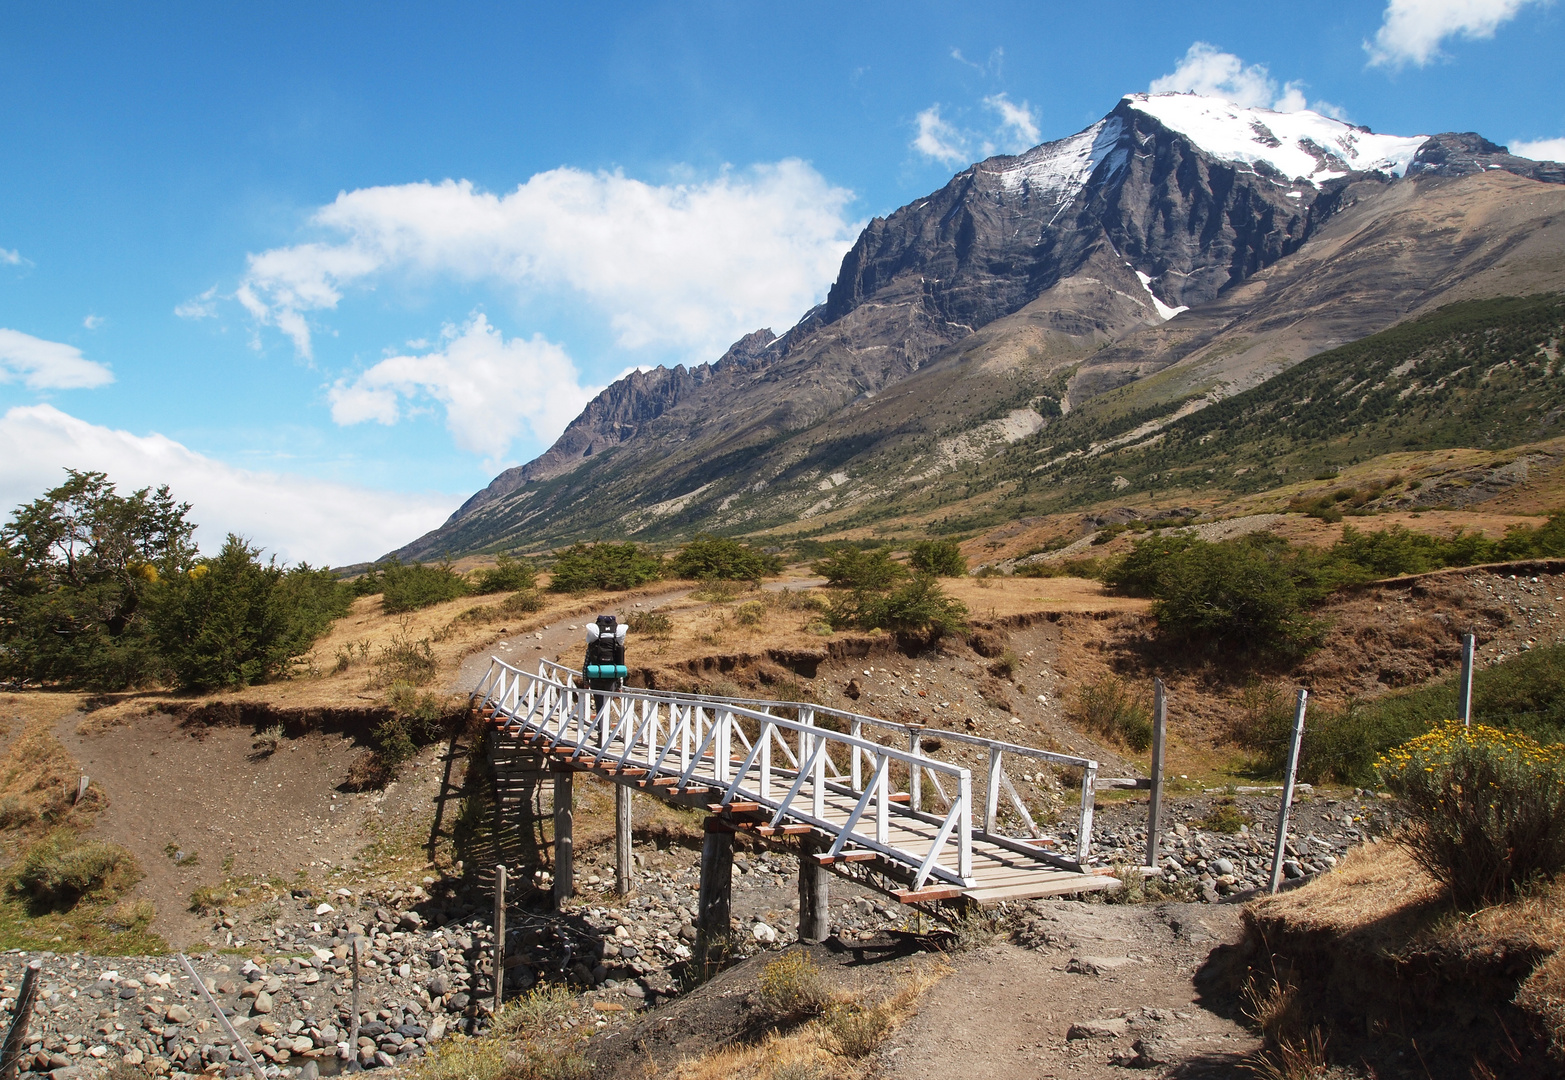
x=821 y=767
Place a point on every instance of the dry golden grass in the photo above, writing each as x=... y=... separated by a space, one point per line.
x=38 y=776
x=833 y=1045
x=1378 y=888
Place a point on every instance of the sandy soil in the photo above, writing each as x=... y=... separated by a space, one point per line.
x=1126 y=971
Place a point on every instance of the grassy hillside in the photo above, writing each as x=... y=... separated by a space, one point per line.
x=1484 y=374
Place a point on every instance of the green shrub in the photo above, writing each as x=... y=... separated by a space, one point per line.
x=858 y=568
x=233 y=620
x=1111 y=708
x=707 y=557
x=920 y=606
x=582 y=567
x=524 y=602
x=507 y=575
x=941 y=558
x=1487 y=808
x=408 y=588
x=61 y=869
x=1224 y=817
x=1251 y=595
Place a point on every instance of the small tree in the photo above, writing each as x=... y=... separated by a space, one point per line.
x=604 y=566
x=508 y=575
x=713 y=557
x=408 y=588
x=858 y=568
x=942 y=558
x=75 y=567
x=219 y=624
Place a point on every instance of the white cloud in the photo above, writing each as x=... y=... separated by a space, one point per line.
x=92 y=322
x=1412 y=30
x=11 y=258
x=1539 y=149
x=491 y=389
x=200 y=307
x=47 y=365
x=686 y=266
x=1018 y=127
x=294 y=517
x=1207 y=70
x=939 y=140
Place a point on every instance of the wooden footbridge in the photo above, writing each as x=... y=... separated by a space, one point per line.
x=852 y=789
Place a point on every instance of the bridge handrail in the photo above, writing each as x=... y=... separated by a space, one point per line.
x=995 y=779
x=559 y=709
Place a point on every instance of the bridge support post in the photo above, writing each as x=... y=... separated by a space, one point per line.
x=715 y=906
x=564 y=844
x=624 y=878
x=814 y=916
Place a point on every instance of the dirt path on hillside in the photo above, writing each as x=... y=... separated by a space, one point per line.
x=1094 y=989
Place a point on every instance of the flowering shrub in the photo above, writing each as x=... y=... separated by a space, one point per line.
x=1487 y=807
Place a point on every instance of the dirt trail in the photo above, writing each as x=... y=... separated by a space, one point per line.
x=1099 y=988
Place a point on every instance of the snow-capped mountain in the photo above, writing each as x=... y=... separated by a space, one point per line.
x=1146 y=219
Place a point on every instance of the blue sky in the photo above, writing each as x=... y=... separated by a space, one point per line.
x=326 y=268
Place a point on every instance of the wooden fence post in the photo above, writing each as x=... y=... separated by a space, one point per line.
x=624 y=867
x=1287 y=788
x=499 y=936
x=16 y=1038
x=1155 y=803
x=355 y=944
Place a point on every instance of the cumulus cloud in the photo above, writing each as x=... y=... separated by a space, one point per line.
x=47 y=365
x=491 y=389
x=1205 y=69
x=296 y=518
x=1540 y=149
x=1411 y=30
x=1015 y=130
x=683 y=266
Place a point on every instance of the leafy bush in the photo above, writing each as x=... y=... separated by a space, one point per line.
x=524 y=602
x=858 y=568
x=408 y=588
x=416 y=720
x=941 y=558
x=604 y=566
x=919 y=607
x=233 y=620
x=507 y=575
x=1111 y=708
x=61 y=869
x=1251 y=595
x=1224 y=817
x=708 y=557
x=1488 y=808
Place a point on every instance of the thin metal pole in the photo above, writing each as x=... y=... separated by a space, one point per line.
x=222 y=1018
x=1287 y=788
x=1155 y=803
x=1464 y=703
x=16 y=1038
x=499 y=936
